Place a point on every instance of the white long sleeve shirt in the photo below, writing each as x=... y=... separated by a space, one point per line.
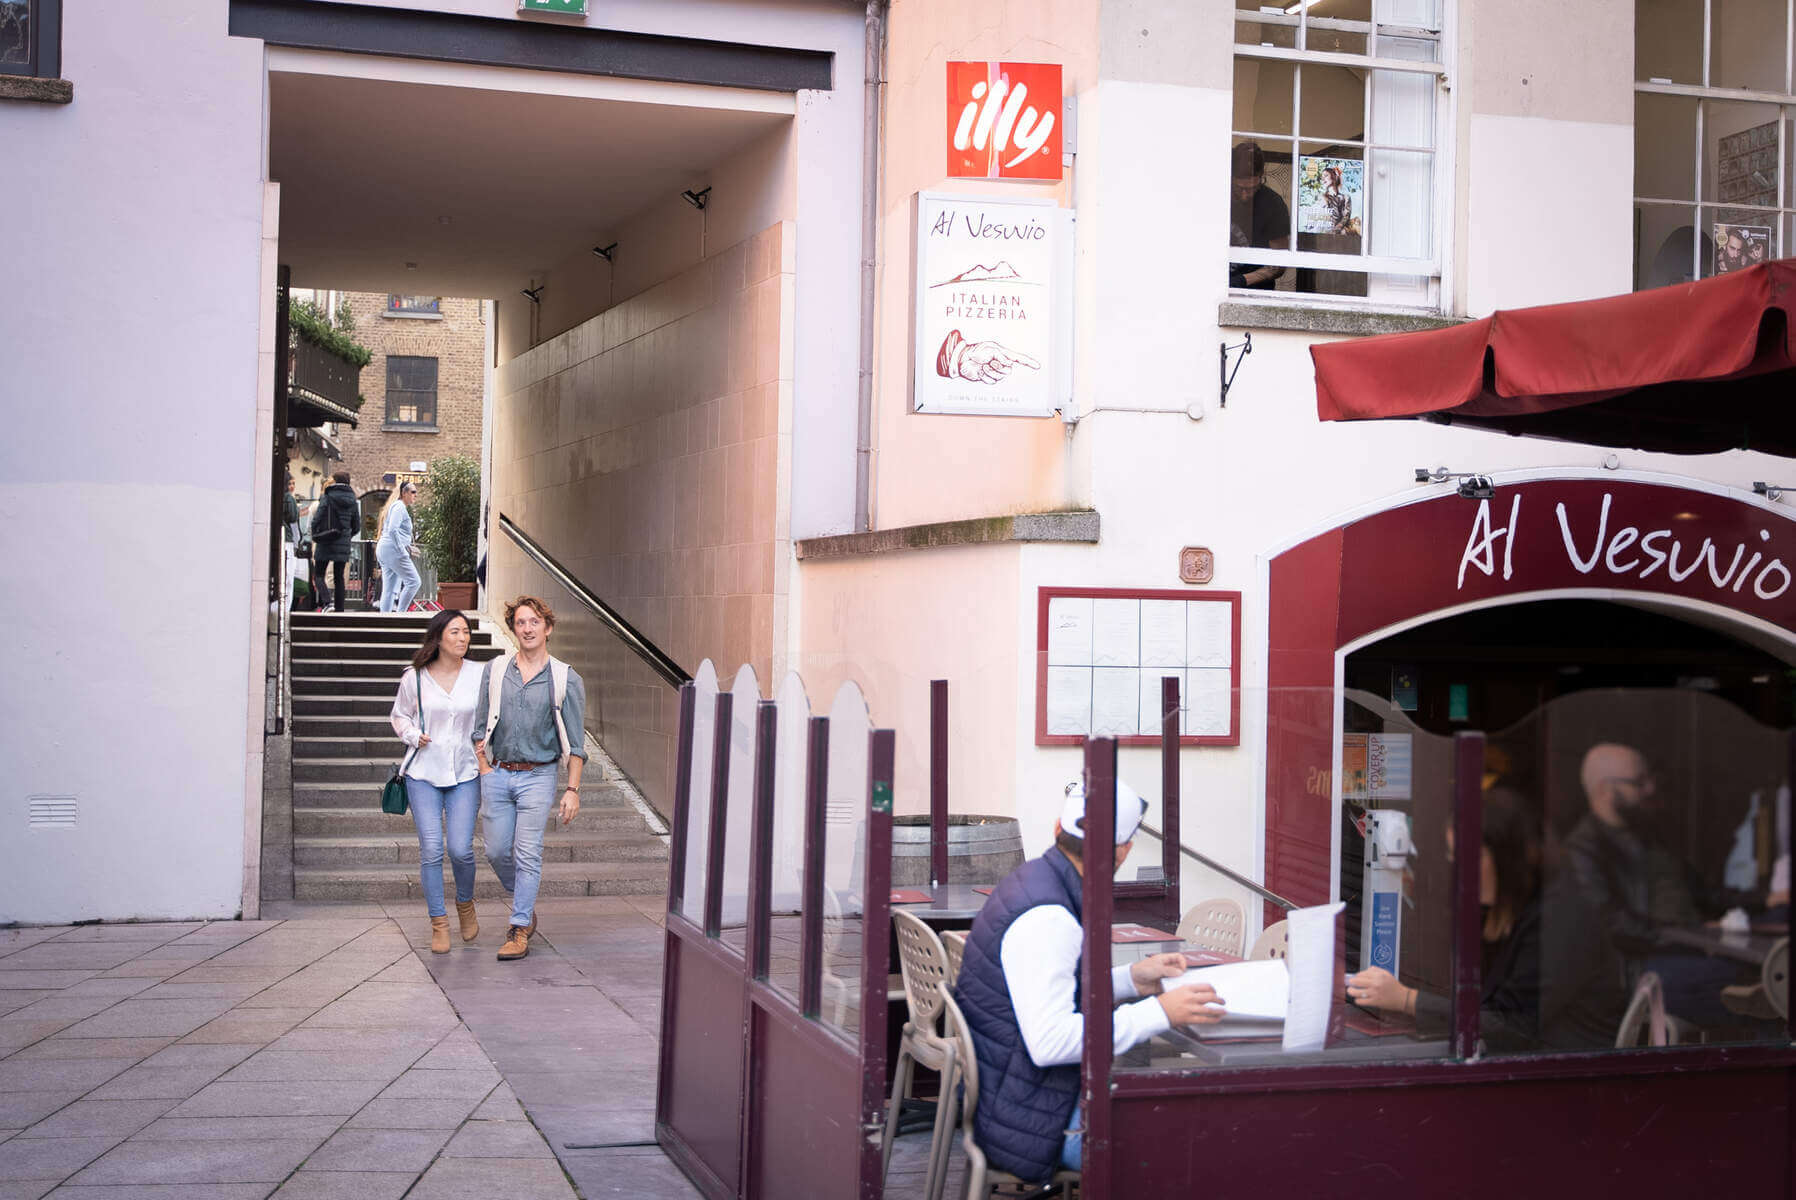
x=1040 y=956
x=448 y=718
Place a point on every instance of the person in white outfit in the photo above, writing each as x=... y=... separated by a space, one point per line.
x=399 y=575
x=434 y=714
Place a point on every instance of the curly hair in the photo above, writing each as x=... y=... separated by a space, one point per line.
x=541 y=606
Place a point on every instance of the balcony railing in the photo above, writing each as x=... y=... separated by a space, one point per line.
x=322 y=380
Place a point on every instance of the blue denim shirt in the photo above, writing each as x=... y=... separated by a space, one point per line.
x=526 y=729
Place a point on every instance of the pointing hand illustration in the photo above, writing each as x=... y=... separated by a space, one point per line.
x=979 y=362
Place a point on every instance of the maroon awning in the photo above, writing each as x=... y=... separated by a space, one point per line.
x=1693 y=368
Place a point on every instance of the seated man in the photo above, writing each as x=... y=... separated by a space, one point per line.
x=1019 y=989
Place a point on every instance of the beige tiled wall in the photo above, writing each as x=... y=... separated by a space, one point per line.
x=643 y=448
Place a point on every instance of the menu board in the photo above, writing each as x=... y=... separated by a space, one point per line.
x=1101 y=654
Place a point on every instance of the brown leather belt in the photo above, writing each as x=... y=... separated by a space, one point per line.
x=520 y=766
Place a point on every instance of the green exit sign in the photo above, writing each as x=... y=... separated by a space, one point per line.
x=576 y=8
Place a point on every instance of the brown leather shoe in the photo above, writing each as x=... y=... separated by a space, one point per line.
x=439 y=935
x=470 y=927
x=517 y=943
x=533 y=922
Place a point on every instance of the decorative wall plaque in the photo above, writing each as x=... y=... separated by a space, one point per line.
x=1196 y=564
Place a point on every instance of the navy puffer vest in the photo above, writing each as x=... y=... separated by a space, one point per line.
x=1023 y=1109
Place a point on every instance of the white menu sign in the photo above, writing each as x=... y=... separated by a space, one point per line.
x=1106 y=657
x=986 y=296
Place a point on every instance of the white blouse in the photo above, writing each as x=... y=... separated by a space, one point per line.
x=448 y=719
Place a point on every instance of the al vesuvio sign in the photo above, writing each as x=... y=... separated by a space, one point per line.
x=1004 y=120
x=1558 y=534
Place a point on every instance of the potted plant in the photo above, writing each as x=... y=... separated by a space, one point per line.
x=448 y=520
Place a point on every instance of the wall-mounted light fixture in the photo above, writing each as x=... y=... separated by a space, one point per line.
x=1472 y=485
x=1771 y=491
x=535 y=294
x=604 y=252
x=697 y=199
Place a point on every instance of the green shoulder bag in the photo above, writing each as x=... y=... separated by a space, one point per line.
x=392 y=796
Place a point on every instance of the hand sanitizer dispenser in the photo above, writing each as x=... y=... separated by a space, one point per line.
x=1387 y=855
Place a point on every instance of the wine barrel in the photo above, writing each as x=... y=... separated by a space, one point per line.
x=981 y=849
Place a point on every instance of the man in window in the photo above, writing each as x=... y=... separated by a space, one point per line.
x=1257 y=217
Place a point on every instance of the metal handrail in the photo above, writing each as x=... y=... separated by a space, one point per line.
x=1211 y=863
x=657 y=659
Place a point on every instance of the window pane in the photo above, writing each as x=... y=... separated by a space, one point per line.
x=1334 y=104
x=1331 y=215
x=15 y=32
x=1264 y=91
x=1402 y=204
x=1668 y=40
x=1737 y=238
x=1664 y=146
x=1416 y=14
x=1339 y=26
x=1403 y=109
x=1665 y=246
x=1747 y=42
x=1265 y=29
x=1739 y=152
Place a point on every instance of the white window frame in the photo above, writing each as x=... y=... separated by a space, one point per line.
x=1784 y=213
x=1434 y=271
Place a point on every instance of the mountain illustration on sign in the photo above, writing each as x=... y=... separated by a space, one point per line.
x=980 y=273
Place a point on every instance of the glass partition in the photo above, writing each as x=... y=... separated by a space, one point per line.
x=787 y=875
x=844 y=865
x=698 y=804
x=739 y=816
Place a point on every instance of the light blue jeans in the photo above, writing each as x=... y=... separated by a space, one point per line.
x=514 y=811
x=398 y=576
x=433 y=808
x=1072 y=1148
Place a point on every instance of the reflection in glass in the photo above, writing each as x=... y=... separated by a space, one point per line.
x=1747 y=43
x=1265 y=96
x=1667 y=247
x=787 y=876
x=15 y=32
x=1664 y=146
x=1668 y=40
x=844 y=859
x=698 y=805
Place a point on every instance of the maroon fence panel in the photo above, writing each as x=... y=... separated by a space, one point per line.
x=1468 y=924
x=1094 y=965
x=720 y=811
x=938 y=781
x=816 y=807
x=1170 y=720
x=877 y=919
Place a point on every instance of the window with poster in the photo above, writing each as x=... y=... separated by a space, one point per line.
x=1338 y=167
x=1713 y=101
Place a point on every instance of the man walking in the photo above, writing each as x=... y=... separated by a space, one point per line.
x=531 y=715
x=335 y=522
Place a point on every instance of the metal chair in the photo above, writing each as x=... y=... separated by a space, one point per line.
x=963 y=1069
x=1274 y=941
x=924 y=966
x=1646 y=1011
x=1215 y=924
x=1776 y=976
x=954 y=941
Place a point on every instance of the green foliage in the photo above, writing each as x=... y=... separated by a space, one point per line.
x=448 y=516
x=314 y=325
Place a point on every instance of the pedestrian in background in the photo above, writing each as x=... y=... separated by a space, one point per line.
x=434 y=713
x=531 y=715
x=295 y=539
x=335 y=522
x=398 y=574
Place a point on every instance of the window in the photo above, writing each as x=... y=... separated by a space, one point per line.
x=414 y=306
x=1337 y=178
x=411 y=391
x=1713 y=105
x=31 y=38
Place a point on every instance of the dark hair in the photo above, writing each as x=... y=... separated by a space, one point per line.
x=432 y=645
x=1070 y=845
x=1512 y=835
x=340 y=477
x=541 y=608
x=1247 y=159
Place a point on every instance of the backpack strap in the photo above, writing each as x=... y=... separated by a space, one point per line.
x=558 y=676
x=495 y=688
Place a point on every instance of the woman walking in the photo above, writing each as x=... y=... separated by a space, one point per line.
x=336 y=519
x=399 y=576
x=434 y=712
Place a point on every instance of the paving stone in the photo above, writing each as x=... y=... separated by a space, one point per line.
x=135 y=1017
x=457 y=1052
x=412 y=1114
x=195 y=1162
x=406 y=970
x=637 y=1176
x=130 y=931
x=178 y=988
x=221 y=1056
x=370 y=1005
x=61 y=1047
x=483 y=1178
x=227 y=1129
x=49 y=979
x=270 y=1064
x=287 y=1097
x=49 y=1158
x=157 y=1083
x=57 y=1074
x=140 y=969
x=14 y=940
x=15 y=999
x=208 y=972
x=25 y=1189
x=54 y=1006
x=64 y=956
x=16 y=1035
x=501 y=1104
x=21 y=1109
x=100 y=1118
x=111 y=985
x=307 y=1184
x=437 y=1085
x=408 y=1150
x=255 y=1025
x=165 y=1191
x=365 y=1041
x=497 y=1139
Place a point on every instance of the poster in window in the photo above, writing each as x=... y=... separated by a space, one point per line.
x=1331 y=194
x=1740 y=246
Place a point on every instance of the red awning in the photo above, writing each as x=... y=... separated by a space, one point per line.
x=1693 y=368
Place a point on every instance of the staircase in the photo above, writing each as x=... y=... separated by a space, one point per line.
x=345 y=672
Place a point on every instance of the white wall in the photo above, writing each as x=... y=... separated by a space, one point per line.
x=130 y=379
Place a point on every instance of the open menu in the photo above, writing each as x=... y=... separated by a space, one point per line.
x=1287 y=998
x=1255 y=993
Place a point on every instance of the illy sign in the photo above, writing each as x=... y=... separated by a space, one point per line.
x=1003 y=120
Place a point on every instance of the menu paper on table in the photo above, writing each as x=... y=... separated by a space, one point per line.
x=1310 y=959
x=1256 y=990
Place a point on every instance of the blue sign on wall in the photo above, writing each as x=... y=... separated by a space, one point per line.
x=1384 y=930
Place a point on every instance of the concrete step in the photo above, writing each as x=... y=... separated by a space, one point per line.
x=358 y=708
x=337 y=687
x=361 y=620
x=370 y=821
x=358 y=794
x=331 y=635
x=560 y=847
x=387 y=669
x=369 y=723
x=395 y=651
x=306 y=745
x=397 y=882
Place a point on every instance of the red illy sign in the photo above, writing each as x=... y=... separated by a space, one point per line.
x=1004 y=120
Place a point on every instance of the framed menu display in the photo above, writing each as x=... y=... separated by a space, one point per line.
x=1100 y=654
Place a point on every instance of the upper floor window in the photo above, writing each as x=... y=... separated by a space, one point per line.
x=414 y=306
x=411 y=391
x=1337 y=173
x=31 y=38
x=1714 y=100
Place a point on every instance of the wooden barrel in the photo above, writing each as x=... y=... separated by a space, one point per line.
x=980 y=849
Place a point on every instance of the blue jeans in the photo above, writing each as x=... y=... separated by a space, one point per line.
x=399 y=578
x=430 y=805
x=514 y=810
x=1072 y=1149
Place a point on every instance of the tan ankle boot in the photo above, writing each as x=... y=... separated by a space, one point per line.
x=439 y=935
x=517 y=943
x=470 y=928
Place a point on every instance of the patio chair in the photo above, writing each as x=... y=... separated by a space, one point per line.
x=1215 y=924
x=924 y=966
x=1646 y=1011
x=1776 y=976
x=1274 y=941
x=963 y=1069
x=954 y=941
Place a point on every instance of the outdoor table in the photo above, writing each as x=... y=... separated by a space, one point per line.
x=946 y=904
x=1751 y=947
x=1176 y=1047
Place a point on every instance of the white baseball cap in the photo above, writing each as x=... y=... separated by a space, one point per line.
x=1130 y=808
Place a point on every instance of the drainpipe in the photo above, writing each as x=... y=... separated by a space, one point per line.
x=870 y=151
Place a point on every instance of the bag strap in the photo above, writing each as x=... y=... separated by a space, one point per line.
x=558 y=677
x=495 y=690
